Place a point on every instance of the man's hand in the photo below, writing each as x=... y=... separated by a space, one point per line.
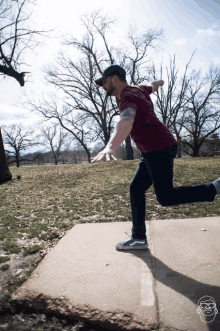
x=121 y=131
x=107 y=152
x=156 y=85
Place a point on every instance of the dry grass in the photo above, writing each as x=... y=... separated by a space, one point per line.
x=36 y=211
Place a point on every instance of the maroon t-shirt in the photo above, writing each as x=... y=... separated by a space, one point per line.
x=148 y=133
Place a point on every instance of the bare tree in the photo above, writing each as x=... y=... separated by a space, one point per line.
x=169 y=104
x=202 y=117
x=38 y=157
x=18 y=139
x=186 y=111
x=78 y=126
x=213 y=145
x=77 y=79
x=55 y=139
x=15 y=37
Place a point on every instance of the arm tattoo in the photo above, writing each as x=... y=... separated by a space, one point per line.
x=128 y=114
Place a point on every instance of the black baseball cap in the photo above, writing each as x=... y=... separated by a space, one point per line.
x=111 y=71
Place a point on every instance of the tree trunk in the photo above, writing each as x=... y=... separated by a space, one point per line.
x=195 y=153
x=196 y=148
x=5 y=174
x=179 y=155
x=129 y=149
x=55 y=159
x=17 y=160
x=87 y=152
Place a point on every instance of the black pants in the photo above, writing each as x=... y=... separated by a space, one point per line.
x=157 y=168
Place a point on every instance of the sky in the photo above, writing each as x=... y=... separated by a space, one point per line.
x=187 y=25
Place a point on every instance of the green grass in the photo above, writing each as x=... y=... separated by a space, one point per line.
x=4 y=259
x=4 y=267
x=32 y=250
x=10 y=246
x=37 y=210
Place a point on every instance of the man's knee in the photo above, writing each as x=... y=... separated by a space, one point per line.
x=133 y=187
x=137 y=188
x=165 y=201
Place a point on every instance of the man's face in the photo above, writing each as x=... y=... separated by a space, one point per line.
x=109 y=87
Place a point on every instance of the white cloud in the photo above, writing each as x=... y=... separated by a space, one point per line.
x=216 y=60
x=213 y=31
x=15 y=115
x=180 y=42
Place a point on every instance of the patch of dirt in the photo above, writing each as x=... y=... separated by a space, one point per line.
x=26 y=321
x=20 y=267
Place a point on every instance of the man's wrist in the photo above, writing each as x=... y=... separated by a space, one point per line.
x=109 y=147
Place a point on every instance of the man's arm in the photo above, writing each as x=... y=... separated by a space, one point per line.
x=122 y=129
x=120 y=133
x=156 y=84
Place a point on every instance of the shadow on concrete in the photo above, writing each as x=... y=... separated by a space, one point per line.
x=185 y=285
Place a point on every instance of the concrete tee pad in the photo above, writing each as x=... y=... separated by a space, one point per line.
x=84 y=276
x=187 y=268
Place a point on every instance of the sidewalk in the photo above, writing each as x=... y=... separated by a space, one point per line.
x=84 y=276
x=187 y=264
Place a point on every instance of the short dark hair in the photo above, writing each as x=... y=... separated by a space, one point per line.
x=122 y=79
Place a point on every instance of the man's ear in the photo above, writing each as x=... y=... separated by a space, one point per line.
x=114 y=79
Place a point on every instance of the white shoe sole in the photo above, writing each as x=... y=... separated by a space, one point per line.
x=125 y=248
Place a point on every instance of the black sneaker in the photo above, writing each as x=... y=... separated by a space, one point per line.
x=132 y=243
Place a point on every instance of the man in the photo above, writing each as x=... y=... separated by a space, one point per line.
x=158 y=149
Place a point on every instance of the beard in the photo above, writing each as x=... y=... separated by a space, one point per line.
x=110 y=90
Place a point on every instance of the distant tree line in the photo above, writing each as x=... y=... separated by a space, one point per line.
x=56 y=147
x=65 y=157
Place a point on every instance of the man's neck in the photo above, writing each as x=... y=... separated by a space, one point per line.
x=120 y=90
